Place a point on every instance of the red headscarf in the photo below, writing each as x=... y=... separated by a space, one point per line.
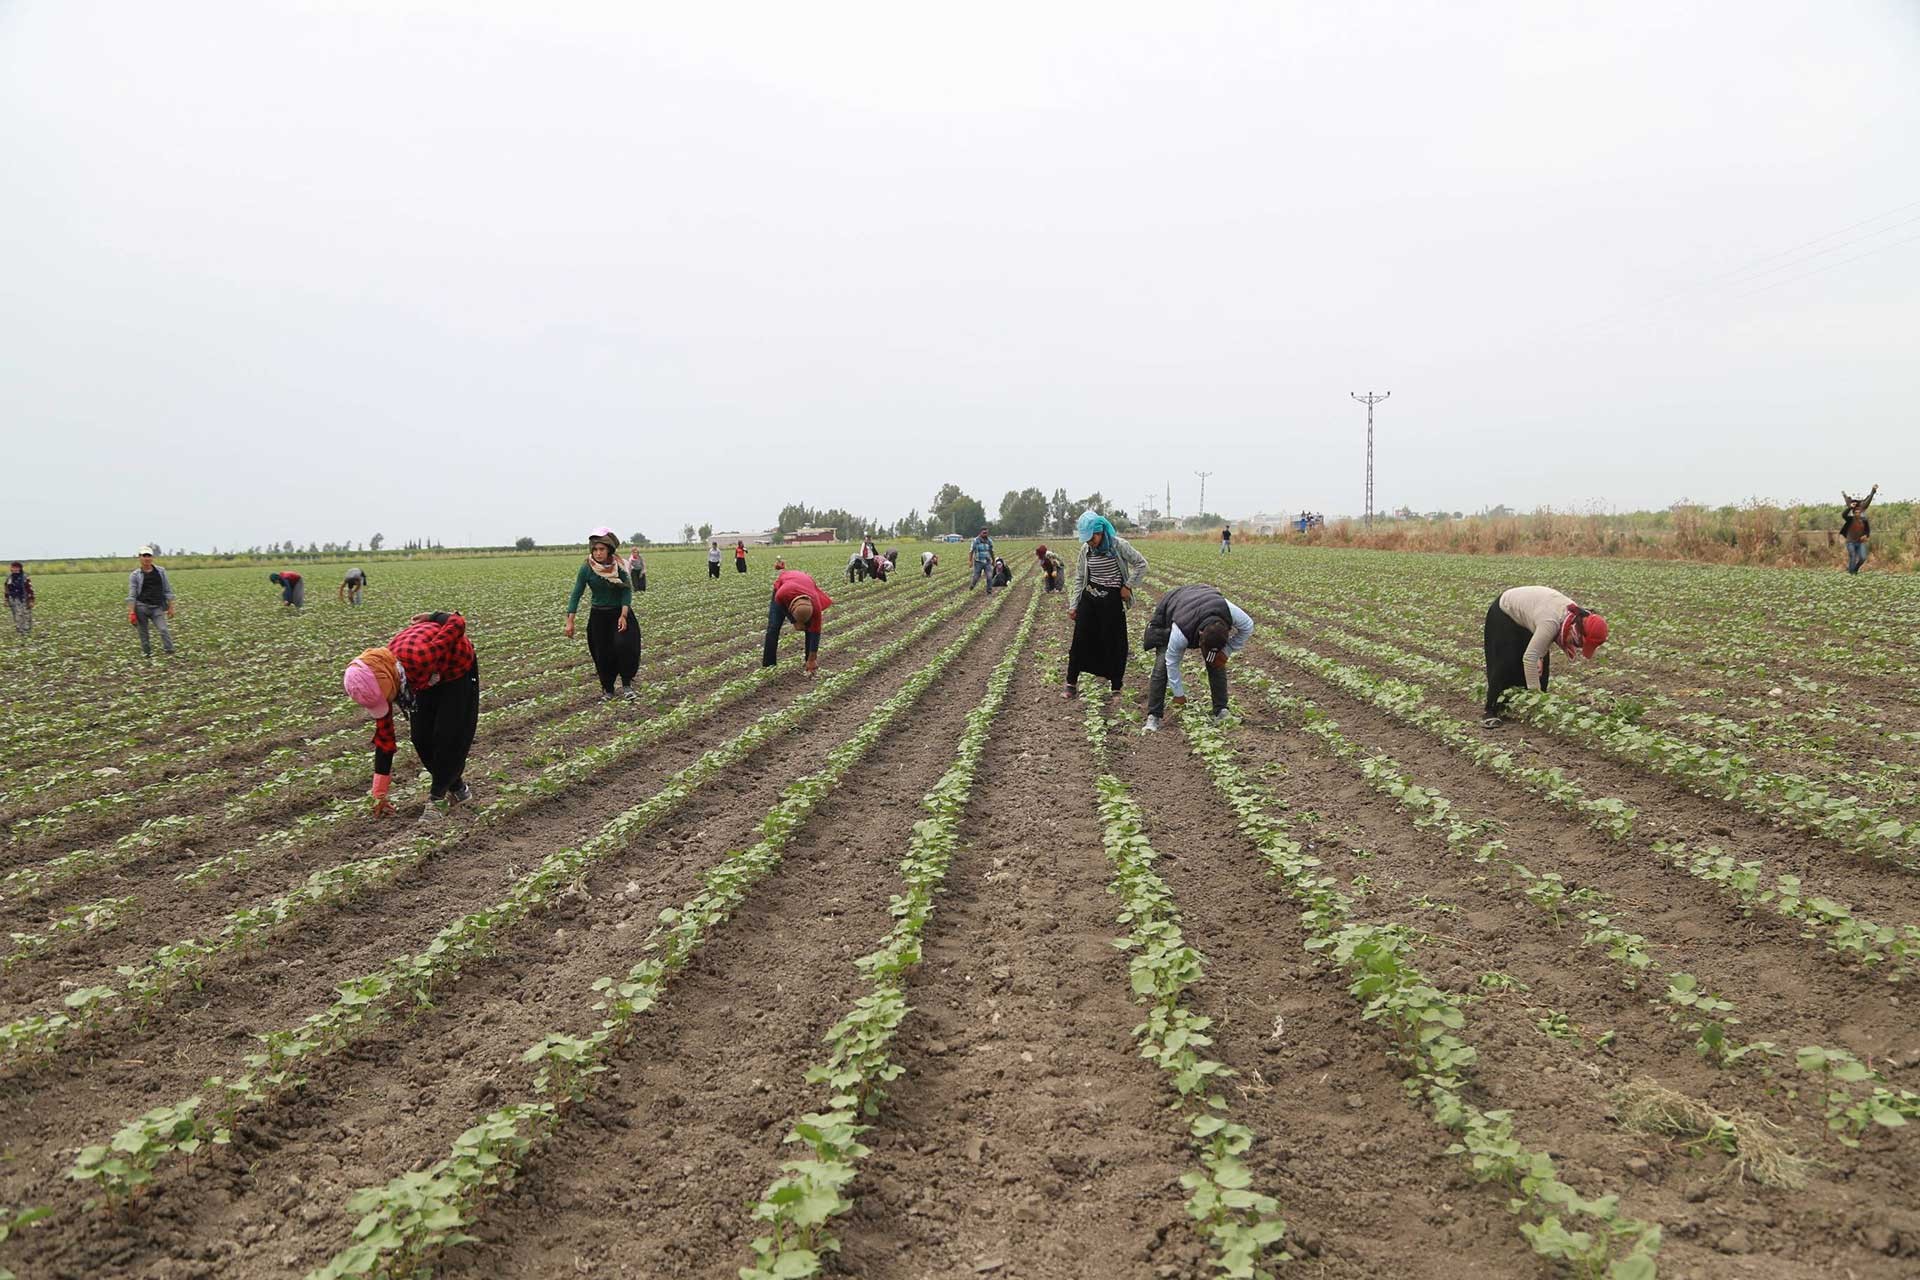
x=1581 y=632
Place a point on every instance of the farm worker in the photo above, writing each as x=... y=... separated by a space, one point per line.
x=20 y=598
x=637 y=570
x=430 y=675
x=879 y=567
x=150 y=602
x=779 y=565
x=1052 y=567
x=1104 y=578
x=740 y=556
x=856 y=568
x=981 y=555
x=797 y=599
x=713 y=560
x=1002 y=576
x=1523 y=624
x=927 y=560
x=613 y=633
x=293 y=588
x=1856 y=528
x=1226 y=541
x=867 y=551
x=352 y=585
x=1195 y=616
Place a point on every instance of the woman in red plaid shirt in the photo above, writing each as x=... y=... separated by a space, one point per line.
x=430 y=674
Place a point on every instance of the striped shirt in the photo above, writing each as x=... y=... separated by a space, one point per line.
x=1104 y=570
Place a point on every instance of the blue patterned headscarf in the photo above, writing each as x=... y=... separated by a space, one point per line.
x=1092 y=522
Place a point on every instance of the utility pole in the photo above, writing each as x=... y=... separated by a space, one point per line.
x=1203 y=491
x=1369 y=400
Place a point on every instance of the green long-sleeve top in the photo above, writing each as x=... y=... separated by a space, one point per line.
x=605 y=593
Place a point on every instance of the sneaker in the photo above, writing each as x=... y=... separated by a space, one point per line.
x=1152 y=725
x=461 y=793
x=1070 y=692
x=1220 y=716
x=630 y=693
x=606 y=695
x=1492 y=722
x=434 y=814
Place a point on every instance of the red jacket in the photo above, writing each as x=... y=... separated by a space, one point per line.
x=430 y=653
x=790 y=584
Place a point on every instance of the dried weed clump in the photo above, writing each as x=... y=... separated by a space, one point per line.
x=1756 y=1147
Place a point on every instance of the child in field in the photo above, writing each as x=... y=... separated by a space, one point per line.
x=713 y=560
x=740 y=557
x=797 y=599
x=293 y=588
x=637 y=570
x=20 y=598
x=430 y=675
x=1002 y=576
x=927 y=561
x=352 y=585
x=1523 y=625
x=1052 y=567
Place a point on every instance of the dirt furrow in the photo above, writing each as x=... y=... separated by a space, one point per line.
x=1026 y=1131
x=1361 y=1173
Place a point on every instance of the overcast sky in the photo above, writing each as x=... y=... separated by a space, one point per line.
x=471 y=270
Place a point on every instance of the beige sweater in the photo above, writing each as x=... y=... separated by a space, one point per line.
x=1540 y=610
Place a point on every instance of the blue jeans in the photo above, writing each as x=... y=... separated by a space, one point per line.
x=777 y=618
x=981 y=571
x=1856 y=556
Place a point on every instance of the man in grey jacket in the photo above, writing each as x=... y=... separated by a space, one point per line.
x=150 y=602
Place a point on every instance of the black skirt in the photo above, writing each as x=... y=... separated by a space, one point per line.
x=1099 y=638
x=1506 y=645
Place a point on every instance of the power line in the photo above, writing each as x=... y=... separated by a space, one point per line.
x=1757 y=268
x=1830 y=266
x=1203 y=491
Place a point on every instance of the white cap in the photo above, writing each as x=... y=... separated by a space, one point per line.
x=146 y=551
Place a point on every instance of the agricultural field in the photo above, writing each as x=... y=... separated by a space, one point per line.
x=917 y=970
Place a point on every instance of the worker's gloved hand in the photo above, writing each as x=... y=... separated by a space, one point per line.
x=1219 y=659
x=133 y=617
x=382 y=784
x=1180 y=701
x=813 y=663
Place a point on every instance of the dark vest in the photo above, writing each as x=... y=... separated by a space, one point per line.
x=152 y=592
x=1189 y=608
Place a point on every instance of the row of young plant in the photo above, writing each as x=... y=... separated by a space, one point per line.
x=800 y=1205
x=1675 y=995
x=1716 y=770
x=1589 y=1234
x=1841 y=736
x=1835 y=924
x=331 y=885
x=402 y=1226
x=143 y=988
x=1242 y=1226
x=161 y=835
x=129 y=1160
x=319 y=757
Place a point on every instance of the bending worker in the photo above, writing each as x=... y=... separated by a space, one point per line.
x=430 y=675
x=1523 y=625
x=1195 y=616
x=797 y=599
